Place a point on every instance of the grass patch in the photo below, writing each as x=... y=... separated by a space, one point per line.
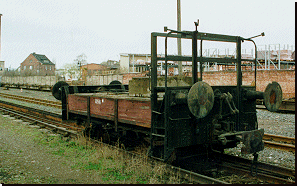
x=93 y=166
x=110 y=165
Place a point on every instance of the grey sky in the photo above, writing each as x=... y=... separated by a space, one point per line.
x=64 y=29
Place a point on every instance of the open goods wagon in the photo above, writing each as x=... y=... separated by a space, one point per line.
x=32 y=82
x=195 y=119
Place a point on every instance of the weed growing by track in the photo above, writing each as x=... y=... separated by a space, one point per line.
x=109 y=165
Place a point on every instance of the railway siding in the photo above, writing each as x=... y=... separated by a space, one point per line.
x=273 y=123
x=214 y=181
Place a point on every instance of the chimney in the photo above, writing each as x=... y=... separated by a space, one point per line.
x=0 y=35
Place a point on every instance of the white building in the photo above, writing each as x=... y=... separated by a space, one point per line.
x=130 y=63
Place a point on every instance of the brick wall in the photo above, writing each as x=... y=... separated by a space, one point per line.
x=286 y=79
x=127 y=77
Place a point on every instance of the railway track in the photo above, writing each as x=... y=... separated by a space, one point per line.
x=71 y=129
x=266 y=172
x=49 y=103
x=279 y=142
x=287 y=106
x=272 y=141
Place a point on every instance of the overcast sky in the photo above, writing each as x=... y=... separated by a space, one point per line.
x=101 y=29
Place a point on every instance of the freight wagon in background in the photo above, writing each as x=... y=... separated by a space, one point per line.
x=30 y=82
x=47 y=82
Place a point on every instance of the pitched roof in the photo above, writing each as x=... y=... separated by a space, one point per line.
x=42 y=58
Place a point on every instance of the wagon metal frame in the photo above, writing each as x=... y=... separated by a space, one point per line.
x=164 y=134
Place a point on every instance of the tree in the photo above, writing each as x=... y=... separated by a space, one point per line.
x=70 y=71
x=80 y=61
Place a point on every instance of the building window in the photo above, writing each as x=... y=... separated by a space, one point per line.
x=30 y=60
x=31 y=67
x=24 y=67
x=45 y=67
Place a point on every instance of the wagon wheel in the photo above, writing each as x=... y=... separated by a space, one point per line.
x=273 y=96
x=200 y=99
x=118 y=83
x=56 y=91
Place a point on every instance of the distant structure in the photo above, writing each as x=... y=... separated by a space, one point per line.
x=37 y=64
x=130 y=63
x=92 y=69
x=272 y=57
x=112 y=65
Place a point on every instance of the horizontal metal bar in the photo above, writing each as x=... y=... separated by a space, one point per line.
x=178 y=119
x=162 y=89
x=199 y=59
x=200 y=36
x=158 y=135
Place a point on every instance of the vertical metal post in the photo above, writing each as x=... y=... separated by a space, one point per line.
x=133 y=62
x=265 y=57
x=88 y=112
x=194 y=58
x=201 y=62
x=268 y=67
x=154 y=79
x=256 y=58
x=116 y=115
x=239 y=80
x=279 y=54
x=180 y=63
x=128 y=63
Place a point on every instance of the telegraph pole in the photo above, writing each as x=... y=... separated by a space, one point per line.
x=180 y=64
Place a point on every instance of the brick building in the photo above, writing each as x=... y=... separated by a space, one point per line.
x=37 y=64
x=92 y=69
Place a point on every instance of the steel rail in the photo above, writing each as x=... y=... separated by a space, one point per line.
x=279 y=142
x=49 y=103
x=37 y=116
x=280 y=146
x=286 y=106
x=266 y=172
x=277 y=138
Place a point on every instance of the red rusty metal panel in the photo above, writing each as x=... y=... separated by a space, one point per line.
x=77 y=103
x=135 y=112
x=102 y=107
x=130 y=111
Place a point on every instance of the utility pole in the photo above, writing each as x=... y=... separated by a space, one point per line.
x=180 y=63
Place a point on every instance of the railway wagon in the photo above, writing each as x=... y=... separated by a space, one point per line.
x=47 y=82
x=33 y=82
x=176 y=121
